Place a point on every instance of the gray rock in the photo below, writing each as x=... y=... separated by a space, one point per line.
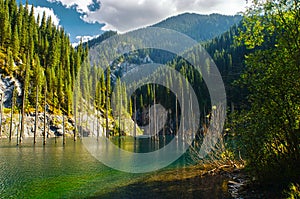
x=59 y=132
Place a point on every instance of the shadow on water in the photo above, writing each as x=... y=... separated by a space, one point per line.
x=176 y=183
x=179 y=180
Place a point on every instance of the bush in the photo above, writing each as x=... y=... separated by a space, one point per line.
x=293 y=192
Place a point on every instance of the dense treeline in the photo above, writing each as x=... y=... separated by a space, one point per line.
x=228 y=56
x=40 y=55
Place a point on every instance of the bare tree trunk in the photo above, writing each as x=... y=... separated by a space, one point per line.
x=36 y=114
x=98 y=122
x=75 y=117
x=120 y=110
x=23 y=117
x=192 y=124
x=75 y=90
x=182 y=115
x=20 y=122
x=98 y=115
x=176 y=116
x=135 y=121
x=87 y=113
x=64 y=135
x=12 y=112
x=164 y=129
x=154 y=112
x=25 y=89
x=149 y=120
x=107 y=130
x=94 y=116
x=45 y=116
x=80 y=118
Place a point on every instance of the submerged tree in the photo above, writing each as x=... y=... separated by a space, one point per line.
x=13 y=99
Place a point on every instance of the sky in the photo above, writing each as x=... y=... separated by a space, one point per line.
x=85 y=19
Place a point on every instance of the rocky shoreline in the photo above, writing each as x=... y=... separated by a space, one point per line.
x=54 y=125
x=53 y=122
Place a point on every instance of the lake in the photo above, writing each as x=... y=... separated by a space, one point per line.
x=57 y=171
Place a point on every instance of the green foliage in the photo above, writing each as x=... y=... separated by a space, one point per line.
x=229 y=58
x=268 y=129
x=30 y=47
x=293 y=192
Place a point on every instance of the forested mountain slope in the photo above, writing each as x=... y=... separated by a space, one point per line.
x=40 y=55
x=200 y=27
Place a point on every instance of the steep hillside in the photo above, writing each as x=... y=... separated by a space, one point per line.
x=229 y=58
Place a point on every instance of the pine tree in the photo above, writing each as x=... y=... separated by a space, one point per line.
x=15 y=43
x=10 y=62
x=5 y=26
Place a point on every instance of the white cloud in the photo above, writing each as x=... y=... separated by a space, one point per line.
x=81 y=5
x=49 y=12
x=84 y=39
x=125 y=15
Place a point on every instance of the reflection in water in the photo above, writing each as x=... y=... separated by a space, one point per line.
x=57 y=171
x=142 y=144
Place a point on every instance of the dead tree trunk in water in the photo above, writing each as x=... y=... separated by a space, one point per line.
x=154 y=114
x=120 y=112
x=135 y=121
x=176 y=116
x=75 y=117
x=22 y=118
x=64 y=135
x=36 y=114
x=80 y=118
x=26 y=82
x=12 y=112
x=98 y=120
x=107 y=130
x=45 y=116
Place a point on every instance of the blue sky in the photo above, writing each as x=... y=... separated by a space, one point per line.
x=87 y=18
x=70 y=19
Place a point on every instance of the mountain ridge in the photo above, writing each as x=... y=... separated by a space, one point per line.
x=189 y=24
